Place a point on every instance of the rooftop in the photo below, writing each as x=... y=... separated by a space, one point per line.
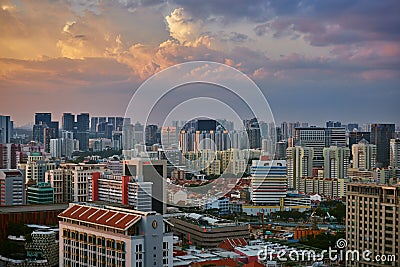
x=109 y=216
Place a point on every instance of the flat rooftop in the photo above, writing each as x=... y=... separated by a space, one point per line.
x=32 y=208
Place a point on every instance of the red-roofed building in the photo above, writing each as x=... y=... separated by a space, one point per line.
x=111 y=236
x=230 y=243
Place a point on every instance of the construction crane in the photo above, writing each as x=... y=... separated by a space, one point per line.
x=330 y=218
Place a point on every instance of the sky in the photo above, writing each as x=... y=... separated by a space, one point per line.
x=313 y=60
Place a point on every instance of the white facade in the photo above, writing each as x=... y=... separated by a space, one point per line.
x=107 y=236
x=299 y=164
x=364 y=155
x=395 y=153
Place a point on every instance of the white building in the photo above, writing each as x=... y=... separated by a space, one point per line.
x=336 y=162
x=364 y=155
x=12 y=187
x=125 y=190
x=268 y=182
x=109 y=236
x=395 y=153
x=299 y=162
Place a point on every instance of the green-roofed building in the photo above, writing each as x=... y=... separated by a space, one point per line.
x=41 y=193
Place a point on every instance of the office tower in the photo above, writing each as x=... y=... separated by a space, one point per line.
x=125 y=190
x=82 y=131
x=372 y=222
x=42 y=117
x=380 y=136
x=40 y=194
x=280 y=152
x=169 y=137
x=395 y=153
x=151 y=135
x=336 y=162
x=335 y=136
x=268 y=182
x=116 y=140
x=12 y=187
x=68 y=122
x=284 y=130
x=128 y=141
x=45 y=118
x=108 y=236
x=56 y=148
x=364 y=155
x=332 y=124
x=94 y=121
x=299 y=163
x=48 y=134
x=253 y=133
x=38 y=132
x=352 y=127
x=355 y=137
x=119 y=122
x=154 y=171
x=9 y=156
x=67 y=144
x=138 y=134
x=112 y=121
x=6 y=129
x=313 y=137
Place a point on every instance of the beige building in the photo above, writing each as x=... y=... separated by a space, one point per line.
x=373 y=222
x=207 y=232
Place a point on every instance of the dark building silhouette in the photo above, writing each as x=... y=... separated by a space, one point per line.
x=380 y=136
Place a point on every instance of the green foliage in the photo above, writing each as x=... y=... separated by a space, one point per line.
x=323 y=240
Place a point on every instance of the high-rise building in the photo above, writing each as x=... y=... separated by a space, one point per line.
x=125 y=190
x=335 y=136
x=9 y=156
x=94 y=121
x=45 y=118
x=108 y=236
x=364 y=155
x=356 y=136
x=169 y=137
x=151 y=134
x=154 y=171
x=372 y=223
x=6 y=129
x=12 y=187
x=336 y=162
x=268 y=184
x=68 y=122
x=395 y=153
x=253 y=133
x=299 y=163
x=82 y=131
x=380 y=136
x=315 y=138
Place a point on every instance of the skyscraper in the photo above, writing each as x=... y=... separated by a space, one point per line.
x=395 y=153
x=336 y=162
x=82 y=131
x=45 y=118
x=380 y=136
x=312 y=137
x=68 y=122
x=299 y=162
x=364 y=155
x=5 y=129
x=151 y=134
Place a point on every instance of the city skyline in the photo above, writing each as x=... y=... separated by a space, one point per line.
x=312 y=61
